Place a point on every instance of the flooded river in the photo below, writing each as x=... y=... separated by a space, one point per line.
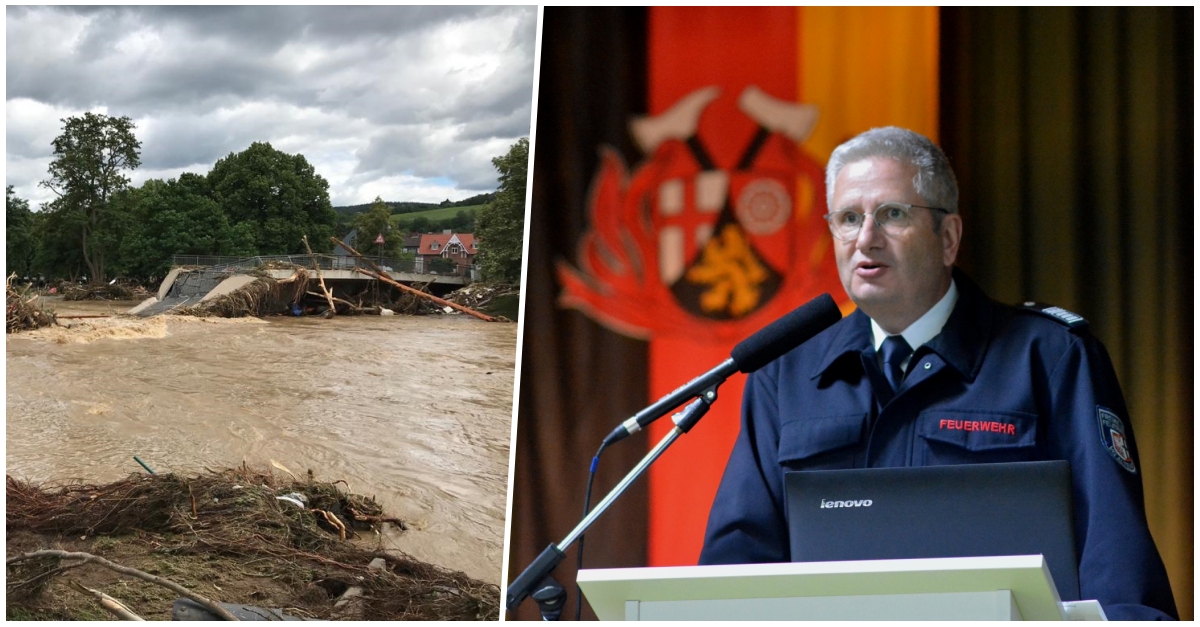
x=415 y=411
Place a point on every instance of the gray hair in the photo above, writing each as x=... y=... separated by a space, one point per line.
x=934 y=180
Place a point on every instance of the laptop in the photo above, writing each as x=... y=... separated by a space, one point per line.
x=969 y=510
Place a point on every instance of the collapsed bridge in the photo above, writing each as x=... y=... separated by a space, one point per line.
x=195 y=281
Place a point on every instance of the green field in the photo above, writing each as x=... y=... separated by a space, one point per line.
x=434 y=215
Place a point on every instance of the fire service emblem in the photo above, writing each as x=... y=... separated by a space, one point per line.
x=1112 y=435
x=700 y=244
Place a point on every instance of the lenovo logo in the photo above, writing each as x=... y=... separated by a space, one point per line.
x=828 y=504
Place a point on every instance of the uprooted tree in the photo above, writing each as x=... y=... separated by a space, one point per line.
x=91 y=157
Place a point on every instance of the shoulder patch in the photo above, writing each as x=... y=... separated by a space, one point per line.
x=1072 y=321
x=1112 y=436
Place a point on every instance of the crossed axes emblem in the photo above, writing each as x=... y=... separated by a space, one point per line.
x=792 y=120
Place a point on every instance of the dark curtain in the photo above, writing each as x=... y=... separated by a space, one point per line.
x=1071 y=132
x=578 y=380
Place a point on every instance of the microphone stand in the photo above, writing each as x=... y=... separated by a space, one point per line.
x=536 y=580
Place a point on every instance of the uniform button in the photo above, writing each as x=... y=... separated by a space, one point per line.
x=928 y=365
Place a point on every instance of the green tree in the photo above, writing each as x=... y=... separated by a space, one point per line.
x=177 y=217
x=58 y=251
x=441 y=265
x=20 y=245
x=420 y=224
x=281 y=195
x=90 y=159
x=500 y=225
x=374 y=222
x=464 y=221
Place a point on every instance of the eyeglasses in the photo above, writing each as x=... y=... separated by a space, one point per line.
x=892 y=217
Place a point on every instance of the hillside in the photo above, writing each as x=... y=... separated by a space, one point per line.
x=409 y=207
x=433 y=215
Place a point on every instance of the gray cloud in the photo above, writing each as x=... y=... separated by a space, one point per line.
x=408 y=95
x=421 y=151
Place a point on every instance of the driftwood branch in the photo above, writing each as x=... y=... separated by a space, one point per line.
x=352 y=307
x=124 y=570
x=320 y=279
x=290 y=279
x=377 y=519
x=380 y=275
x=332 y=520
x=114 y=606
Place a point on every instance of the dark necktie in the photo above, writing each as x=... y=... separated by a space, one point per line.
x=895 y=350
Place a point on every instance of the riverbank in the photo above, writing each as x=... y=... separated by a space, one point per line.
x=306 y=548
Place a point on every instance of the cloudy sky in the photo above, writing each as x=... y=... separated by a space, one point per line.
x=407 y=103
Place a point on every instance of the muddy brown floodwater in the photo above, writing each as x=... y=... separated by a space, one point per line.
x=413 y=410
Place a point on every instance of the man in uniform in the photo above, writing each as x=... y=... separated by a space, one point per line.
x=909 y=378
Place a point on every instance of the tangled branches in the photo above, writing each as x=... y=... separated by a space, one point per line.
x=480 y=295
x=238 y=515
x=494 y=298
x=112 y=291
x=23 y=309
x=261 y=297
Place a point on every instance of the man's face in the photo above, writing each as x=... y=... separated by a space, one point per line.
x=893 y=278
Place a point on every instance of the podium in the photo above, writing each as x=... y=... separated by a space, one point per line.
x=958 y=588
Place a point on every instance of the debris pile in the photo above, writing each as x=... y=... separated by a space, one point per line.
x=494 y=298
x=410 y=304
x=111 y=291
x=279 y=264
x=238 y=536
x=260 y=297
x=261 y=292
x=480 y=295
x=23 y=308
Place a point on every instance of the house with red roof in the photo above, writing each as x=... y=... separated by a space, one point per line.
x=447 y=251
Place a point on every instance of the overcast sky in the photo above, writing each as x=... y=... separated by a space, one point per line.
x=407 y=103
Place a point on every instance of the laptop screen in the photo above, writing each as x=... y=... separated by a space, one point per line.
x=936 y=511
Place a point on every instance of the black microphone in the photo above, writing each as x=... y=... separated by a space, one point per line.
x=752 y=353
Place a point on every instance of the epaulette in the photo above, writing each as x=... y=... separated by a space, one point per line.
x=1072 y=321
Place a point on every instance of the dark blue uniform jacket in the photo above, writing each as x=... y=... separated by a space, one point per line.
x=827 y=405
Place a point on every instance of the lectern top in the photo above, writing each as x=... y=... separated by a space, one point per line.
x=1028 y=577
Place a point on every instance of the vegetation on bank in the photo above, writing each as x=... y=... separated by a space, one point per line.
x=260 y=201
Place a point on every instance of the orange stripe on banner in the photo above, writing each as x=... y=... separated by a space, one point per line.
x=863 y=67
x=867 y=67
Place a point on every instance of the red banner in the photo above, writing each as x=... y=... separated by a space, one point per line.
x=718 y=231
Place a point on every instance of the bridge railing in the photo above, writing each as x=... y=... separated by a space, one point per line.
x=202 y=260
x=418 y=265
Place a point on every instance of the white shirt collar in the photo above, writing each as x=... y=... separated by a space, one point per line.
x=927 y=326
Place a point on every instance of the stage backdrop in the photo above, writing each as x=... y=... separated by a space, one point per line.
x=677 y=201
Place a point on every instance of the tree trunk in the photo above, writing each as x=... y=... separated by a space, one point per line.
x=101 y=267
x=87 y=257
